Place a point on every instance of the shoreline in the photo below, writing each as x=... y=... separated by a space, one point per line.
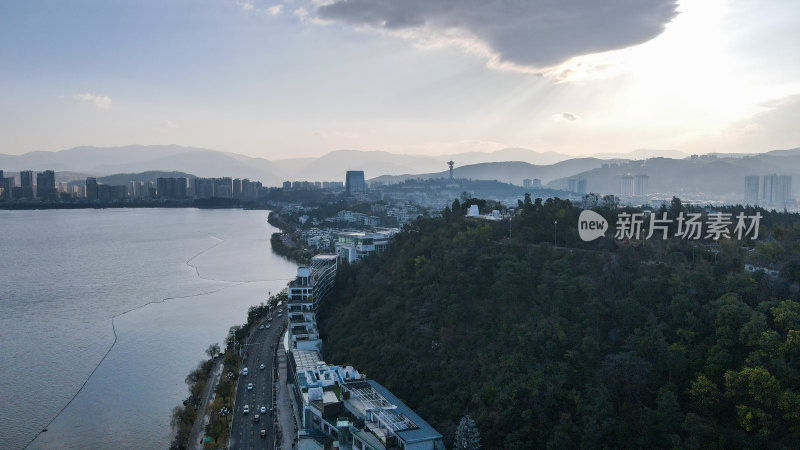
x=199 y=204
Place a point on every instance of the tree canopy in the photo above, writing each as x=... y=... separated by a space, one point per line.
x=604 y=344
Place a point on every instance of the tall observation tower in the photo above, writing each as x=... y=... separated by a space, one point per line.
x=450 y=163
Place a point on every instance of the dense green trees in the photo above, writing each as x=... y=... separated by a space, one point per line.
x=600 y=345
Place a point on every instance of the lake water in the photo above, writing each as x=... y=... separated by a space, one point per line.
x=173 y=280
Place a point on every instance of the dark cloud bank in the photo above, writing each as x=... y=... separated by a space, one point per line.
x=533 y=33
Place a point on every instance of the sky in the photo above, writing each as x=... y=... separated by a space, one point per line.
x=299 y=78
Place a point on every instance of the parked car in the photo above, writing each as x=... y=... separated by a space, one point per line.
x=246 y=409
x=261 y=327
x=268 y=326
x=249 y=386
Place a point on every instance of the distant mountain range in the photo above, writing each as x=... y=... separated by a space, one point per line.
x=707 y=176
x=99 y=161
x=508 y=172
x=671 y=172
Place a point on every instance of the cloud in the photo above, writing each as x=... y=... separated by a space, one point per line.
x=100 y=101
x=524 y=35
x=167 y=125
x=301 y=13
x=566 y=117
x=250 y=7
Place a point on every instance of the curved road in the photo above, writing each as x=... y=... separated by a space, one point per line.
x=260 y=349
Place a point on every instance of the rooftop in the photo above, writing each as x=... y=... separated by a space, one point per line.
x=371 y=396
x=324 y=257
x=306 y=359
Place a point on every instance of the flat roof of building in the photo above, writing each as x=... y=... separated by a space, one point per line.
x=416 y=431
x=306 y=359
x=325 y=256
x=423 y=432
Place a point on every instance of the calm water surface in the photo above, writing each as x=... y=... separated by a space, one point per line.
x=65 y=274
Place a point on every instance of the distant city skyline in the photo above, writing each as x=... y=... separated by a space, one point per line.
x=283 y=79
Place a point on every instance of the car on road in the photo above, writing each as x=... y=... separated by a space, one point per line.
x=270 y=317
x=261 y=327
x=263 y=410
x=262 y=367
x=244 y=371
x=256 y=418
x=268 y=326
x=263 y=433
x=249 y=386
x=246 y=409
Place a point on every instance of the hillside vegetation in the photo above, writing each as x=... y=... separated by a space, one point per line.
x=661 y=344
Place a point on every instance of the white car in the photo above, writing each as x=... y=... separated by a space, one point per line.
x=263 y=410
x=246 y=409
x=249 y=386
x=261 y=327
x=262 y=367
x=268 y=326
x=244 y=371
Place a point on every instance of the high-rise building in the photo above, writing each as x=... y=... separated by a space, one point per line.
x=26 y=182
x=537 y=183
x=250 y=190
x=171 y=188
x=626 y=188
x=287 y=185
x=640 y=185
x=46 y=185
x=783 y=190
x=354 y=182
x=223 y=187
x=203 y=187
x=526 y=183
x=572 y=185
x=237 y=188
x=767 y=189
x=91 y=189
x=776 y=190
x=213 y=187
x=751 y=190
x=582 y=186
x=324 y=269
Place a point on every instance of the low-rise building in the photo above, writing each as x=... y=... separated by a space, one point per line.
x=352 y=246
x=340 y=404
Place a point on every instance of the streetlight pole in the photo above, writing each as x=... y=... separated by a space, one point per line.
x=555 y=233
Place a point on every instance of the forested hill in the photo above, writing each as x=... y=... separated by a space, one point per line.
x=660 y=345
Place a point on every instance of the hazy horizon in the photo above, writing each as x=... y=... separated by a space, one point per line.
x=321 y=153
